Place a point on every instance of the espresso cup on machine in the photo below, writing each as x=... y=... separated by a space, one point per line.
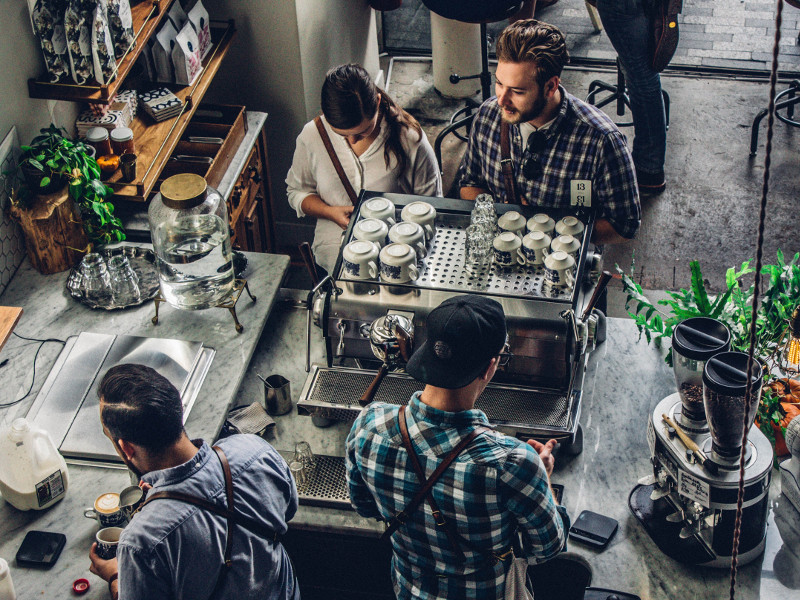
x=566 y=243
x=508 y=250
x=360 y=260
x=569 y=226
x=399 y=263
x=412 y=234
x=542 y=222
x=423 y=214
x=536 y=247
x=512 y=221
x=371 y=230
x=379 y=208
x=558 y=268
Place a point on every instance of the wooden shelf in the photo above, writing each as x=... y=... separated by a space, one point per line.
x=155 y=142
x=147 y=17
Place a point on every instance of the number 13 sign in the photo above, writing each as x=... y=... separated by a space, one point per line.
x=580 y=192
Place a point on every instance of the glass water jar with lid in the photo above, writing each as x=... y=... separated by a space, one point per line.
x=694 y=341
x=191 y=239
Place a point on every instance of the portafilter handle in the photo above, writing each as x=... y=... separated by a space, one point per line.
x=602 y=282
x=369 y=394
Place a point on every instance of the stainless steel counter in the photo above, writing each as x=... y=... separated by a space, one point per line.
x=51 y=312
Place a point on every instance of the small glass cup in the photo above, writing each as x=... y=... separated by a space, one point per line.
x=478 y=250
x=95 y=279
x=303 y=455
x=299 y=472
x=124 y=281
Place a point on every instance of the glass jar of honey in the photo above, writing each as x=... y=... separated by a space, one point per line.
x=122 y=141
x=97 y=137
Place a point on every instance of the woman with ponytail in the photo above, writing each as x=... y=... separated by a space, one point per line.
x=378 y=146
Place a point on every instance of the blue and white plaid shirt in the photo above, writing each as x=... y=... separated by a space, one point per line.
x=582 y=144
x=496 y=486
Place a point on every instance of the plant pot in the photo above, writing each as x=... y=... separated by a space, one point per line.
x=53 y=229
x=33 y=178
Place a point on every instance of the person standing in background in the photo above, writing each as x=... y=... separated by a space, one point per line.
x=628 y=24
x=374 y=144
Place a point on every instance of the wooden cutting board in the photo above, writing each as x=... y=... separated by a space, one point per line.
x=9 y=316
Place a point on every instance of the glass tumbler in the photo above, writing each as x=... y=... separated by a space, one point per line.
x=303 y=455
x=478 y=251
x=95 y=279
x=124 y=281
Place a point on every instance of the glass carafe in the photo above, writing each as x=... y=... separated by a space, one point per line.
x=191 y=239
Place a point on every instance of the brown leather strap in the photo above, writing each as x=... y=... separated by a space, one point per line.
x=507 y=165
x=351 y=193
x=427 y=485
x=230 y=515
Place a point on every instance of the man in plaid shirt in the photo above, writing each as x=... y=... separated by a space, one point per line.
x=562 y=151
x=495 y=487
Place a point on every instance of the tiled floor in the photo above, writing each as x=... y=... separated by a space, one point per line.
x=733 y=34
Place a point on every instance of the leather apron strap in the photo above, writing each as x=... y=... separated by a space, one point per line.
x=337 y=164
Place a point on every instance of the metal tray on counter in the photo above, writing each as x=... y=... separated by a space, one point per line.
x=142 y=261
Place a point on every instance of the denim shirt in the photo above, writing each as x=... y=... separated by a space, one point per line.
x=172 y=549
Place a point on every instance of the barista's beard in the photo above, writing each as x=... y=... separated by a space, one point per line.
x=529 y=115
x=128 y=463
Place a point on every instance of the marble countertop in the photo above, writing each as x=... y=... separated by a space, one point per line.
x=626 y=380
x=51 y=312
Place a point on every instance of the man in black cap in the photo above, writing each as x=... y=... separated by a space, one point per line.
x=455 y=541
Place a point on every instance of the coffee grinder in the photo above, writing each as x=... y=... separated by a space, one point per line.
x=688 y=504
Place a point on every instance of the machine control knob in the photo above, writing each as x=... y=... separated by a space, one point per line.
x=671 y=432
x=363 y=329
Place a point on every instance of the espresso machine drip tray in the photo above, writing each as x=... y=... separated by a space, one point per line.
x=67 y=406
x=333 y=393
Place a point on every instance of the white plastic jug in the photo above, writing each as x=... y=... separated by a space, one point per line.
x=33 y=475
x=6 y=585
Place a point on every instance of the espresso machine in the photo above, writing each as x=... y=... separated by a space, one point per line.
x=688 y=504
x=551 y=330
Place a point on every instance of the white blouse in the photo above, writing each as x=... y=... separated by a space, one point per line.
x=312 y=172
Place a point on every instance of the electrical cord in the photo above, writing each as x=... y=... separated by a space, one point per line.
x=35 y=356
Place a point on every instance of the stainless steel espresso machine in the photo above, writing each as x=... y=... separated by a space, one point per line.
x=551 y=332
x=688 y=505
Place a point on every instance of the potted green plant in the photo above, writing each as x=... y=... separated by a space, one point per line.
x=65 y=208
x=780 y=295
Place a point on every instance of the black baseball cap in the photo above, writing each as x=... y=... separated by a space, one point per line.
x=464 y=334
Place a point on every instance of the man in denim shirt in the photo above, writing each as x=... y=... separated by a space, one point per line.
x=496 y=487
x=173 y=549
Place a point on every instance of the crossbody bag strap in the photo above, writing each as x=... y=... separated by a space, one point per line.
x=506 y=164
x=427 y=484
x=337 y=164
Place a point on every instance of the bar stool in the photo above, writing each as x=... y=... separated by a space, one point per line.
x=471 y=11
x=618 y=93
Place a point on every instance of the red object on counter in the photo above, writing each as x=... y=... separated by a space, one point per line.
x=80 y=586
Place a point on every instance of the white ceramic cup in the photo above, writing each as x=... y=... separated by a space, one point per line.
x=536 y=247
x=360 y=260
x=423 y=214
x=411 y=234
x=558 y=268
x=371 y=230
x=569 y=226
x=512 y=221
x=566 y=243
x=542 y=222
x=398 y=263
x=378 y=208
x=508 y=250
